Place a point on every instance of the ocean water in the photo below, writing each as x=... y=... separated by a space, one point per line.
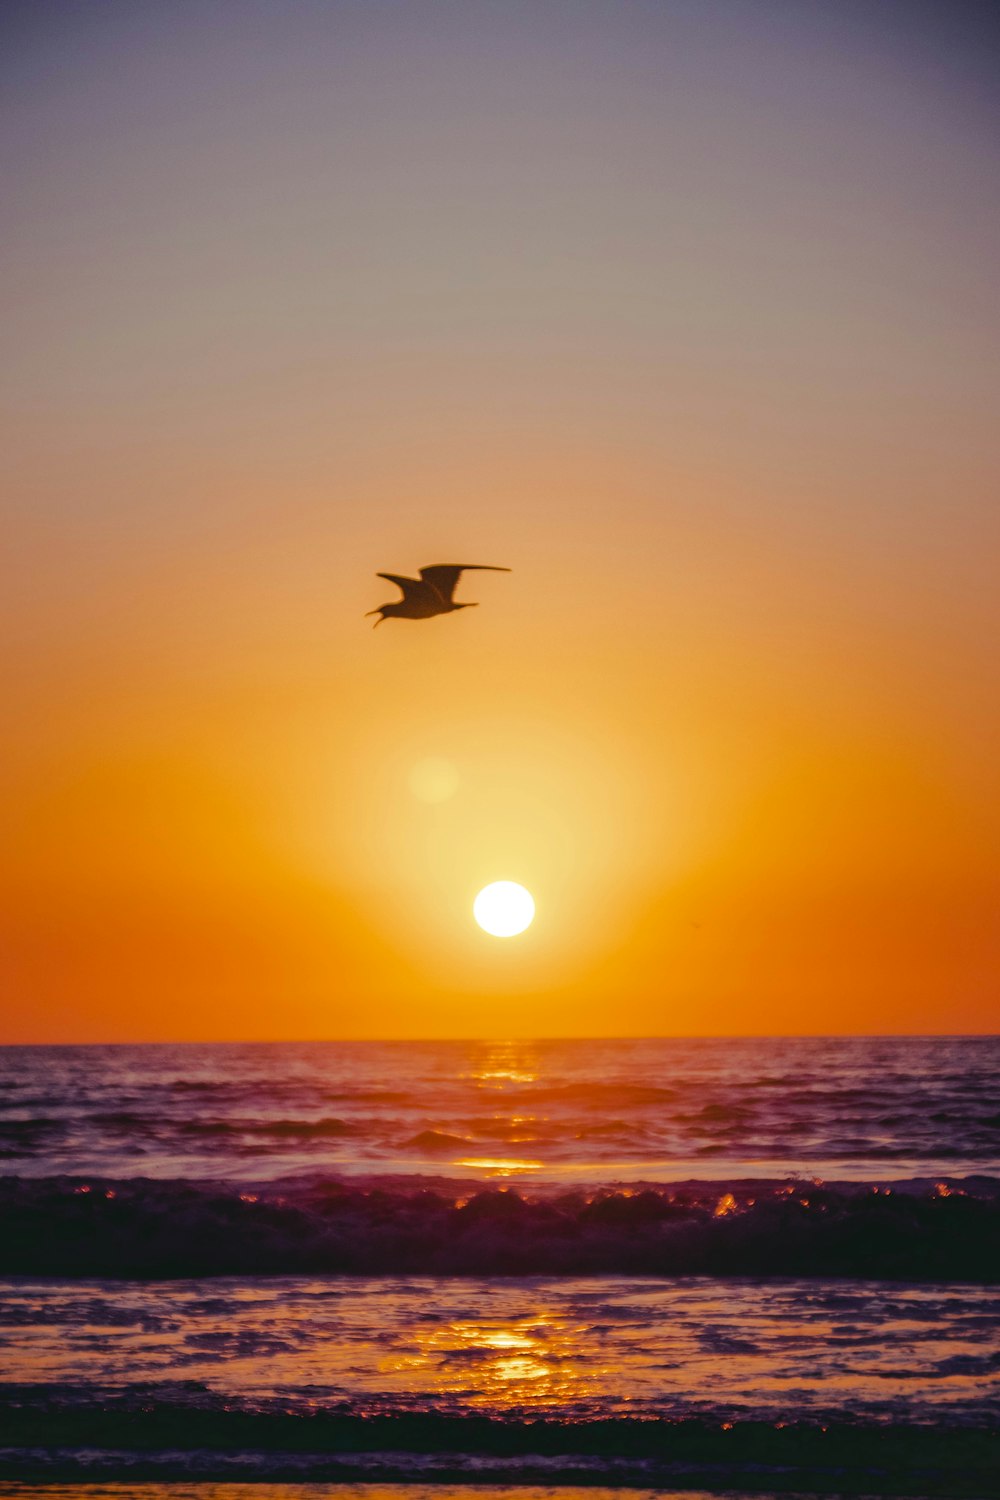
x=708 y=1264
x=586 y=1111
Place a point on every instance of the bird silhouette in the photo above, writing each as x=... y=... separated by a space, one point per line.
x=431 y=593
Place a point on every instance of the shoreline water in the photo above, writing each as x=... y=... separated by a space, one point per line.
x=801 y=1460
x=714 y=1383
x=721 y=1267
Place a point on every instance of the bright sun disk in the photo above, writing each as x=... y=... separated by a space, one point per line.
x=504 y=908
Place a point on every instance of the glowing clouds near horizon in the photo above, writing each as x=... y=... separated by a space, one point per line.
x=504 y=908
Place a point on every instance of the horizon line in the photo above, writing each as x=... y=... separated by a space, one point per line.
x=508 y=1040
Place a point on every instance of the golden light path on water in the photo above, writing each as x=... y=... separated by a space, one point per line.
x=503 y=1364
x=574 y=1346
x=504 y=1066
x=504 y=1063
x=498 y=1166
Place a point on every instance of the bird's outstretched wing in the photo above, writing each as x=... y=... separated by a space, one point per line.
x=444 y=576
x=412 y=587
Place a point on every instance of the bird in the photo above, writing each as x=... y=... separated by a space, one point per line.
x=431 y=593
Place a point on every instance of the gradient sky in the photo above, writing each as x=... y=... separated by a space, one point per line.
x=686 y=312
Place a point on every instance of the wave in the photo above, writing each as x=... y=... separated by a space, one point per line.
x=438 y=1140
x=330 y=1126
x=852 y=1108
x=594 y=1094
x=142 y=1227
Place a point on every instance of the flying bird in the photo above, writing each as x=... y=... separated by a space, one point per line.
x=431 y=593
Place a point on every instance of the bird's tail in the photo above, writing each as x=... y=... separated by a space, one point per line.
x=378 y=612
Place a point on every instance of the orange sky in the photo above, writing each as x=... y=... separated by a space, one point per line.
x=684 y=313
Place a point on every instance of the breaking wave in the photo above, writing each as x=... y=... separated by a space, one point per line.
x=140 y=1227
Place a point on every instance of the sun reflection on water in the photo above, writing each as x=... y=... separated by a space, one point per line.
x=504 y=1064
x=498 y=1166
x=503 y=1365
x=499 y=1068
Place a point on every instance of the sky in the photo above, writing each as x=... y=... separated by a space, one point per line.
x=683 y=310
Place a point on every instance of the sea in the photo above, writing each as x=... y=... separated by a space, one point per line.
x=716 y=1265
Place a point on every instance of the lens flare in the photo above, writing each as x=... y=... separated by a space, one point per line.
x=433 y=780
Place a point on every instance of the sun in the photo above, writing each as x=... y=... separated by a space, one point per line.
x=504 y=908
